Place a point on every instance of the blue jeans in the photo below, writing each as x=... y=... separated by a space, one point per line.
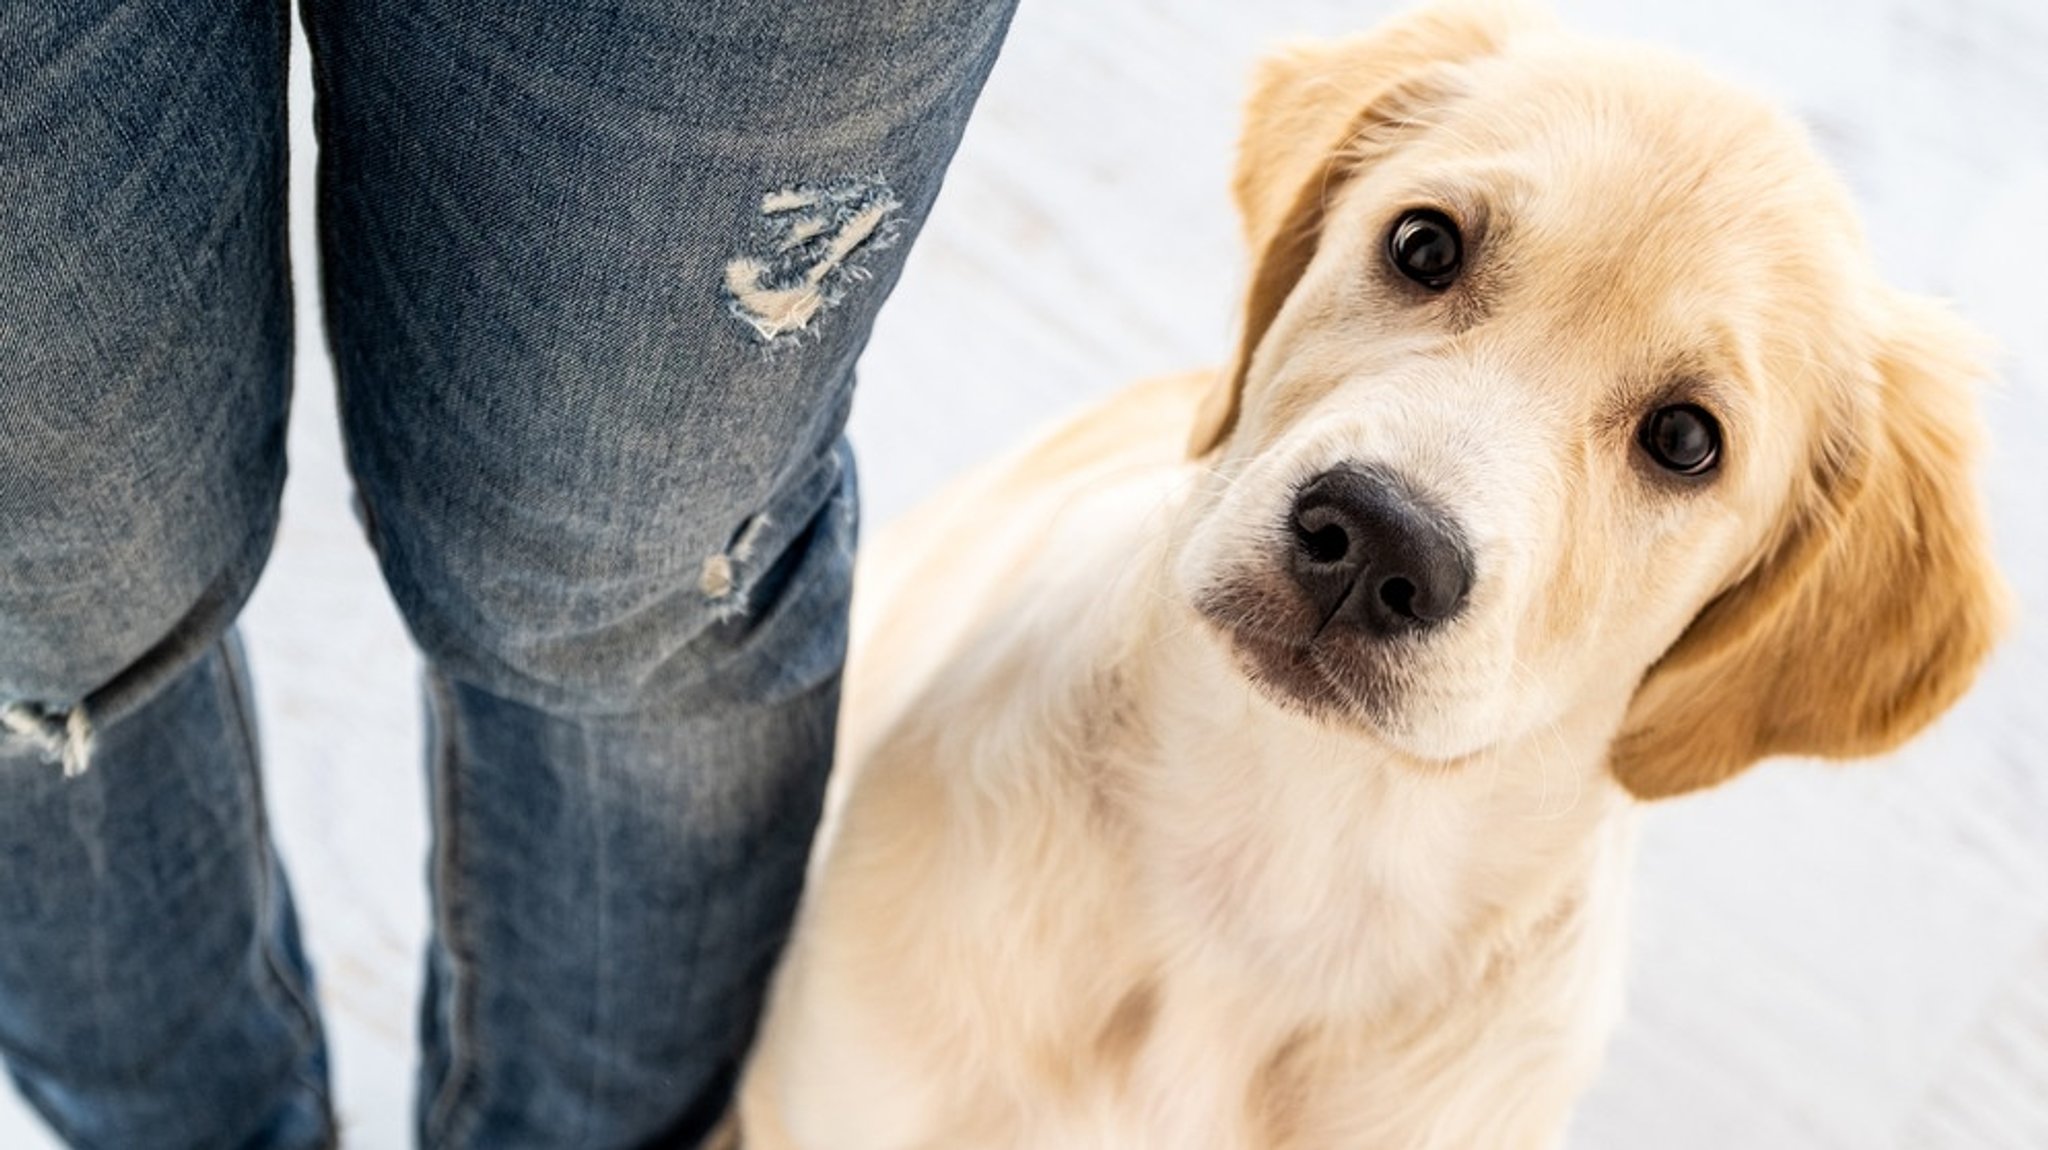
x=595 y=276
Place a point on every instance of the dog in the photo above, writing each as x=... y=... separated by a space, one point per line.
x=1252 y=763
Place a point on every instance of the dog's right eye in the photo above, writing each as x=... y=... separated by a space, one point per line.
x=1425 y=247
x=1683 y=438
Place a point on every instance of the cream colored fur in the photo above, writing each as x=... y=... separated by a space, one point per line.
x=1090 y=884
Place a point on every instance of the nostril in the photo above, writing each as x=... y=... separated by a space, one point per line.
x=1399 y=596
x=1327 y=544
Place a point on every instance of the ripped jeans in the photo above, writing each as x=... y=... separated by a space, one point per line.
x=595 y=275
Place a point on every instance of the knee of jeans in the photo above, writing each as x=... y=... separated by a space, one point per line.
x=575 y=617
x=95 y=619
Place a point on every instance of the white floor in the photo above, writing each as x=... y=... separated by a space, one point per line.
x=1838 y=958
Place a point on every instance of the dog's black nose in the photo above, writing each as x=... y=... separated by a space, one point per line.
x=1369 y=555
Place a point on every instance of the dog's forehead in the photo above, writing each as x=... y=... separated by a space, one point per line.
x=1676 y=218
x=1654 y=154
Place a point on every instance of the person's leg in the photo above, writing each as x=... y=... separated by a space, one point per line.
x=597 y=277
x=152 y=991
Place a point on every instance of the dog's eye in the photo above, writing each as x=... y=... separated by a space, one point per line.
x=1682 y=438
x=1425 y=247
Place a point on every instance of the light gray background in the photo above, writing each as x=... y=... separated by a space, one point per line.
x=1848 y=958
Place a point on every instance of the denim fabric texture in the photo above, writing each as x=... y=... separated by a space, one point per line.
x=595 y=276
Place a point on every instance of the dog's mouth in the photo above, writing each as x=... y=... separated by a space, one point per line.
x=1334 y=683
x=1282 y=651
x=1289 y=672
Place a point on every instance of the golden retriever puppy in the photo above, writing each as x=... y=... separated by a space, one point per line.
x=1252 y=763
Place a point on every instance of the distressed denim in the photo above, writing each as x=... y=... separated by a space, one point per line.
x=595 y=274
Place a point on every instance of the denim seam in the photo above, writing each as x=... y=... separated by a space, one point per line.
x=302 y=1015
x=458 y=1082
x=600 y=860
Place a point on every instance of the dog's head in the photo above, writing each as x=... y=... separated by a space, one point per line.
x=1566 y=381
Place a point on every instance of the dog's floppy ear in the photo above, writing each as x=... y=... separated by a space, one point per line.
x=1309 y=107
x=1872 y=615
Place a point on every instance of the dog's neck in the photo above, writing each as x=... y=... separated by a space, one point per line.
x=1273 y=850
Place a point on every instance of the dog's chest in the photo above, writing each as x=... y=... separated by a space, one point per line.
x=1177 y=1069
x=1211 y=1076
x=1225 y=1071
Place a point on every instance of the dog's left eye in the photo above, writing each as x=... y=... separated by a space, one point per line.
x=1425 y=247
